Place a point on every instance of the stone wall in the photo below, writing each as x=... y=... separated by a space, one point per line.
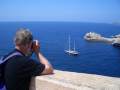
x=63 y=80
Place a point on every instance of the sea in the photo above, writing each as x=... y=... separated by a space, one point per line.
x=94 y=57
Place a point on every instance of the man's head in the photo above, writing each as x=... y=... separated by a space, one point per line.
x=23 y=40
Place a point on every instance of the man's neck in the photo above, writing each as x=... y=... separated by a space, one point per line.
x=21 y=49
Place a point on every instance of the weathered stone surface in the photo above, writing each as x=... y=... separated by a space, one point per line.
x=63 y=80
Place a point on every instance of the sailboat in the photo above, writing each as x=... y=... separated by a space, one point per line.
x=70 y=51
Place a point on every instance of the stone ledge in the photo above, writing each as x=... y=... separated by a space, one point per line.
x=64 y=80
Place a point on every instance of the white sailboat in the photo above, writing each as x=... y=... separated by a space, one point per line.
x=70 y=51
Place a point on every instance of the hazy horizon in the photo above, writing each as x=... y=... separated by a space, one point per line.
x=95 y=11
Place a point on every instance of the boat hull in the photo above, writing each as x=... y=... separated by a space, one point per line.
x=71 y=52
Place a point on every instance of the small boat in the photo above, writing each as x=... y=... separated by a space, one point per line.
x=116 y=42
x=70 y=51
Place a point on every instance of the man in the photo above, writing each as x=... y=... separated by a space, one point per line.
x=20 y=67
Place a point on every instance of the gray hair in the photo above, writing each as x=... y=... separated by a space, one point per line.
x=23 y=37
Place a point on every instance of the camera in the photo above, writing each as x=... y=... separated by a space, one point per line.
x=32 y=46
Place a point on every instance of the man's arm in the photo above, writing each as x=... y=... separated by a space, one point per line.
x=48 y=67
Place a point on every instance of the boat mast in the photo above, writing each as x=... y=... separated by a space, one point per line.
x=74 y=45
x=69 y=42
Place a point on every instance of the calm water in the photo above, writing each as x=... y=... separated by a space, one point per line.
x=94 y=58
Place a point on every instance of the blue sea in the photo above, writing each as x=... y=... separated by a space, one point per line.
x=94 y=58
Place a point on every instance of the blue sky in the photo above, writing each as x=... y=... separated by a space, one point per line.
x=106 y=11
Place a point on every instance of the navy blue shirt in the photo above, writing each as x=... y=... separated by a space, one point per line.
x=19 y=70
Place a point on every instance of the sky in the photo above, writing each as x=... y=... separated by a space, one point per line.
x=105 y=11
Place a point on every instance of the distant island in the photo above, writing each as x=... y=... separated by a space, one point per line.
x=92 y=36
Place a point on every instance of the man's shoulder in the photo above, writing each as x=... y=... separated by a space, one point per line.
x=12 y=53
x=22 y=58
x=19 y=58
